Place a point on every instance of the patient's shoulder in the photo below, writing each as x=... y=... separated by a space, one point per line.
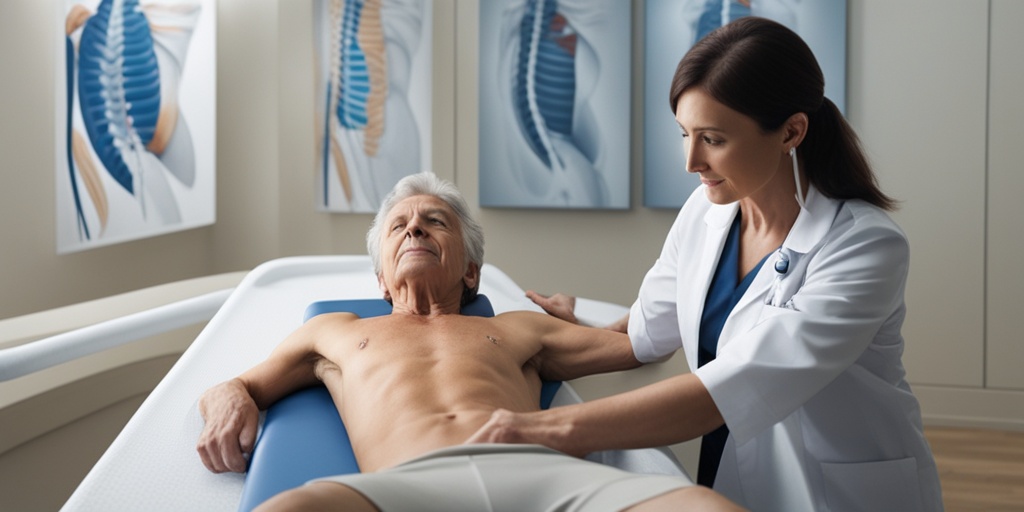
x=528 y=322
x=327 y=333
x=328 y=325
x=531 y=317
x=520 y=316
x=328 y=319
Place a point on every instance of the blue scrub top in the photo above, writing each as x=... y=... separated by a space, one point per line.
x=726 y=290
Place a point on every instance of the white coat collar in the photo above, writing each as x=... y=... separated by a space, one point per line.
x=720 y=216
x=813 y=222
x=810 y=227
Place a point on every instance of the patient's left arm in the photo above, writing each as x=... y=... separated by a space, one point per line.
x=568 y=351
x=231 y=409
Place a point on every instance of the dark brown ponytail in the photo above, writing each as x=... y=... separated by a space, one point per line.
x=834 y=161
x=763 y=70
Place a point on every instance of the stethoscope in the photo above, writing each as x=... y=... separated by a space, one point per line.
x=782 y=264
x=782 y=254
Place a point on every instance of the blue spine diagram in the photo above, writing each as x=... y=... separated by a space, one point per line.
x=547 y=73
x=373 y=69
x=119 y=87
x=354 y=86
x=126 y=133
x=545 y=84
x=356 y=93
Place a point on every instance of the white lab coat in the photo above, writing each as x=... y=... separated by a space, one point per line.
x=808 y=373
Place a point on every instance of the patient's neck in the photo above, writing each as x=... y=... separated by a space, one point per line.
x=426 y=300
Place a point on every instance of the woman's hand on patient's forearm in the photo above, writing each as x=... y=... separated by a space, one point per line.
x=232 y=419
x=558 y=305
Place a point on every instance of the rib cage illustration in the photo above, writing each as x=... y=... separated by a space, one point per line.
x=358 y=84
x=125 y=63
x=361 y=75
x=119 y=87
x=550 y=85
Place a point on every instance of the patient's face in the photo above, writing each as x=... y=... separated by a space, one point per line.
x=422 y=240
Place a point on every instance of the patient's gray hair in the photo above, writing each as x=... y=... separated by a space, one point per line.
x=428 y=184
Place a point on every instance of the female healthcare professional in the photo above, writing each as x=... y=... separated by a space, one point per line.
x=782 y=280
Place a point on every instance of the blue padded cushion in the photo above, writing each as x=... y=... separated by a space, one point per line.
x=303 y=437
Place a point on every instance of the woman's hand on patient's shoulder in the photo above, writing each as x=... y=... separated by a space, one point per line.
x=563 y=306
x=558 y=305
x=229 y=434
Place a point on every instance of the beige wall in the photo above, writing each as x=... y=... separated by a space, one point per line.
x=919 y=102
x=919 y=93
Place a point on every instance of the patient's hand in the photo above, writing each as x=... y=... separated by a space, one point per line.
x=558 y=305
x=232 y=419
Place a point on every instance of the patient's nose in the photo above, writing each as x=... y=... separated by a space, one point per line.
x=413 y=229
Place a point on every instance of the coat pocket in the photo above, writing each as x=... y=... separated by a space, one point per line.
x=880 y=486
x=769 y=312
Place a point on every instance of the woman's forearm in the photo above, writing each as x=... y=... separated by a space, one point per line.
x=670 y=411
x=667 y=412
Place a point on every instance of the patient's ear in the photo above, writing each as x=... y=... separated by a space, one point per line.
x=472 y=277
x=383 y=287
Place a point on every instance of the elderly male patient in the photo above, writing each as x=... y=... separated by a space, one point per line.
x=413 y=386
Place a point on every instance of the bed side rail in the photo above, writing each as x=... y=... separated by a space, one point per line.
x=38 y=355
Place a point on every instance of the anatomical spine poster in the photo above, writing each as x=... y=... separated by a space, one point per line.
x=554 y=103
x=136 y=125
x=373 y=97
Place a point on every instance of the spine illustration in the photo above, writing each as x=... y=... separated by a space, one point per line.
x=369 y=54
x=549 y=72
x=119 y=87
x=545 y=83
x=358 y=85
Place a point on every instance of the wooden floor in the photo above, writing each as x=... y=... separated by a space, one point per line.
x=980 y=470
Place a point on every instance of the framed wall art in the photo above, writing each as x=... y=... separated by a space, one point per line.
x=136 y=137
x=554 y=103
x=374 y=74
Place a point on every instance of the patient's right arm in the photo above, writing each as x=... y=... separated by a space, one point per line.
x=231 y=419
x=231 y=409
